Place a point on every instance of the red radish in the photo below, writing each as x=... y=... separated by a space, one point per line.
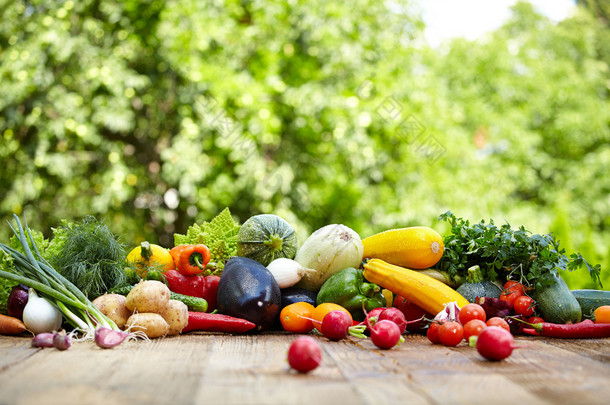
x=336 y=325
x=374 y=313
x=395 y=315
x=304 y=354
x=495 y=343
x=385 y=334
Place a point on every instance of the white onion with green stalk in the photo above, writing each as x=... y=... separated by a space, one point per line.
x=40 y=316
x=327 y=251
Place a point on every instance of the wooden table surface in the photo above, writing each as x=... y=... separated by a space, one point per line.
x=252 y=369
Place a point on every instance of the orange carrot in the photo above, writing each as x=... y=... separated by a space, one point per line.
x=10 y=325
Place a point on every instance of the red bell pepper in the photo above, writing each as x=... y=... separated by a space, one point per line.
x=195 y=286
x=210 y=288
x=185 y=285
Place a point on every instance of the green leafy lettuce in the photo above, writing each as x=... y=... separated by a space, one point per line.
x=219 y=235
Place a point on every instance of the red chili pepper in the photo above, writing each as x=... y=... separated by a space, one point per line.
x=586 y=329
x=206 y=322
x=193 y=259
x=185 y=285
x=210 y=289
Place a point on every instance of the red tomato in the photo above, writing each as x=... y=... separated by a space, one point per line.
x=432 y=333
x=512 y=291
x=470 y=312
x=473 y=328
x=451 y=333
x=524 y=305
x=497 y=321
x=510 y=298
x=534 y=319
x=513 y=286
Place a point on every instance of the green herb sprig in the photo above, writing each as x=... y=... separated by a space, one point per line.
x=503 y=253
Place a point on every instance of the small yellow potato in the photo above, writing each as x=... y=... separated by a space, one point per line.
x=177 y=316
x=148 y=296
x=114 y=307
x=153 y=325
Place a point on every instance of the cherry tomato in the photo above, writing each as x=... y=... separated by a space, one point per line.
x=524 y=305
x=513 y=286
x=470 y=312
x=510 y=298
x=497 y=321
x=602 y=314
x=451 y=333
x=432 y=333
x=534 y=319
x=512 y=291
x=473 y=328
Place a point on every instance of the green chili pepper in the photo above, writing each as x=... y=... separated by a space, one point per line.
x=349 y=289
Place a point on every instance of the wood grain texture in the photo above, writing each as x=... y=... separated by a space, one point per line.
x=252 y=369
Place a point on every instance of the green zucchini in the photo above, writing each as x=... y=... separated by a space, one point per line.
x=590 y=300
x=194 y=304
x=556 y=303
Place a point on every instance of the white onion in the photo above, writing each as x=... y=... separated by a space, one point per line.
x=39 y=315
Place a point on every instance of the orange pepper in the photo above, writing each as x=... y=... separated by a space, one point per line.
x=193 y=259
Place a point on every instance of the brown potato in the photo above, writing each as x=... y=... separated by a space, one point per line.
x=177 y=316
x=153 y=325
x=114 y=307
x=148 y=296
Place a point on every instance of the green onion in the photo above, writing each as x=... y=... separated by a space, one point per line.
x=34 y=271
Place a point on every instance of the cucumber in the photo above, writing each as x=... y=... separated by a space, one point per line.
x=590 y=300
x=195 y=304
x=556 y=303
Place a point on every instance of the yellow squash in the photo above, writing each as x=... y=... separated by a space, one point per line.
x=424 y=291
x=417 y=247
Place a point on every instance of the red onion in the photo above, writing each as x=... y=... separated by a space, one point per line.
x=17 y=300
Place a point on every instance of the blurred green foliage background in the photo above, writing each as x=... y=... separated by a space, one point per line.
x=155 y=114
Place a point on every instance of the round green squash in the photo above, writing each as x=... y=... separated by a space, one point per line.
x=266 y=237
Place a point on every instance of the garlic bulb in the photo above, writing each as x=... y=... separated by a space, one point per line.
x=39 y=315
x=287 y=272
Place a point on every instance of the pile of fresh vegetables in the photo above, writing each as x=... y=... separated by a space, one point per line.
x=479 y=285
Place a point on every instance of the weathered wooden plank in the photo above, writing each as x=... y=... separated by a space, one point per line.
x=252 y=369
x=156 y=372
x=561 y=376
x=459 y=375
x=15 y=350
